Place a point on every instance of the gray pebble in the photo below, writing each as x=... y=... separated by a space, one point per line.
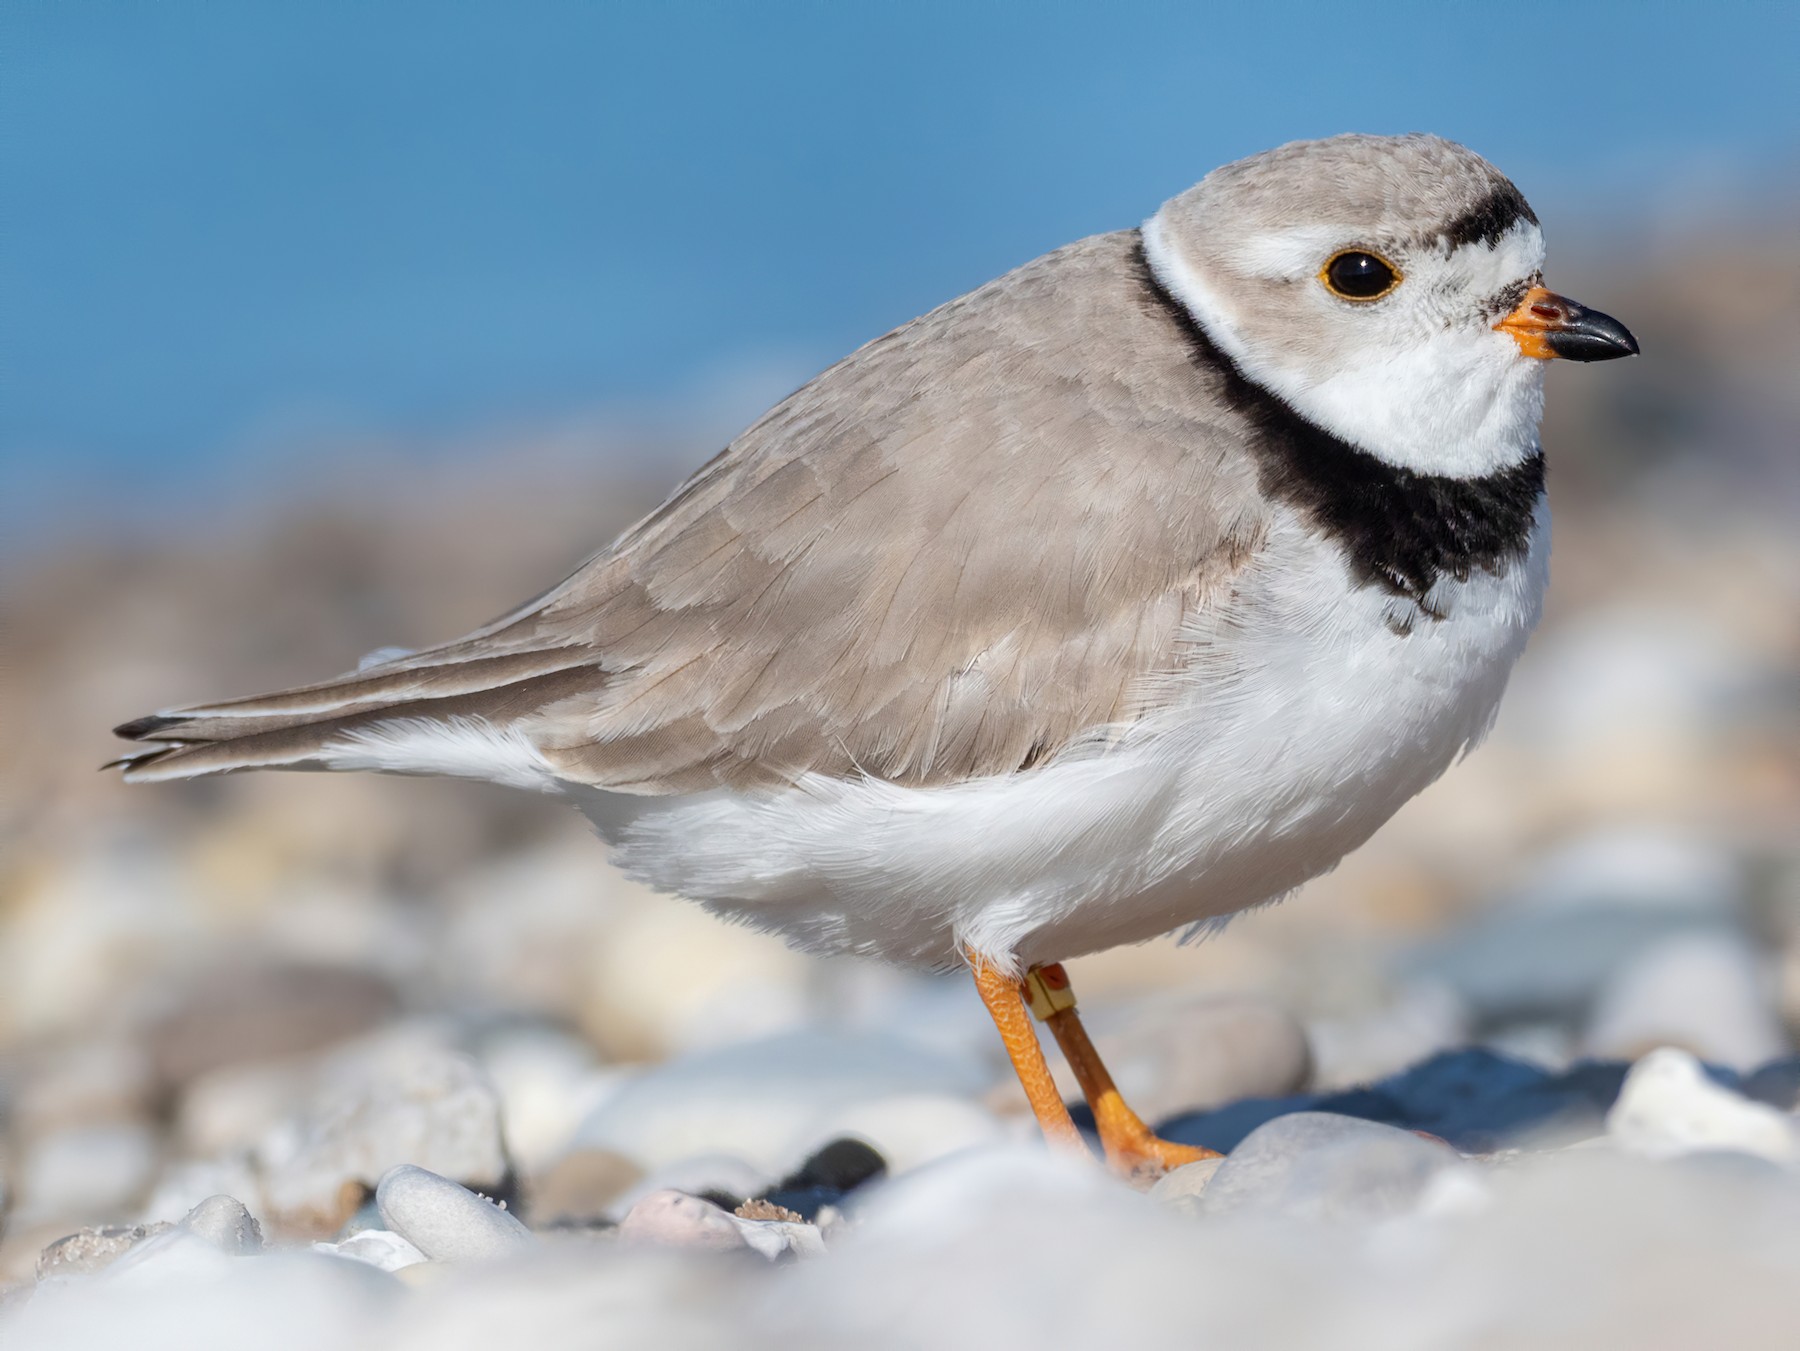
x=446 y=1222
x=1324 y=1166
x=224 y=1222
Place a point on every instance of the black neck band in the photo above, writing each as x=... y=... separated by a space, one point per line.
x=1401 y=530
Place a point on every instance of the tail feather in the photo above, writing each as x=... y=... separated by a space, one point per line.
x=400 y=721
x=379 y=685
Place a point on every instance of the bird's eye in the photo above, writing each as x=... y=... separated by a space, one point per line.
x=1358 y=275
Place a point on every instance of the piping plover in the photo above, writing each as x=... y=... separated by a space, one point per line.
x=1125 y=592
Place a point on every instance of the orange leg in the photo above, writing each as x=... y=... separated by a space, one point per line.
x=1005 y=1002
x=1130 y=1146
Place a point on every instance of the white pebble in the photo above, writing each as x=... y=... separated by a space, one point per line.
x=382 y=1249
x=1667 y=1106
x=446 y=1222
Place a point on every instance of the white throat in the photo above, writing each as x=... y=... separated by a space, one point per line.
x=1463 y=404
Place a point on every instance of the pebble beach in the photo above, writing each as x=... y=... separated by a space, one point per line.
x=297 y=1062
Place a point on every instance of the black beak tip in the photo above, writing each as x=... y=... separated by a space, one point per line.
x=1590 y=335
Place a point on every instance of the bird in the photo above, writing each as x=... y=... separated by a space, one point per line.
x=1122 y=594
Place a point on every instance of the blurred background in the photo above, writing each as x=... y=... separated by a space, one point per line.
x=327 y=327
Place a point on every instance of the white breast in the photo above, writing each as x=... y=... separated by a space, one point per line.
x=1310 y=710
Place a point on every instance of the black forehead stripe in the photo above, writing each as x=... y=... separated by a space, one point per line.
x=1399 y=529
x=1490 y=218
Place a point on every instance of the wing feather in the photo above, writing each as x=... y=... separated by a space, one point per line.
x=968 y=545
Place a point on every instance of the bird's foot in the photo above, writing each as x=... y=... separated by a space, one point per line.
x=1134 y=1151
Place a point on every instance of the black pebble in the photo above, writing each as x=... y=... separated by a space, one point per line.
x=843 y=1165
x=824 y=1179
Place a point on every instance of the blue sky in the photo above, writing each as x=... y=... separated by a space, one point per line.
x=225 y=224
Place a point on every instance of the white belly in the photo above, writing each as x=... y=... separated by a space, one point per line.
x=1310 y=711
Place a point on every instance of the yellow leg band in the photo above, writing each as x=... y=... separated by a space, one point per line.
x=1047 y=991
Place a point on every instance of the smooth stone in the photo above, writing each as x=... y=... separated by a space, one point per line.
x=1668 y=1106
x=1708 y=993
x=764 y=1100
x=90 y=1250
x=446 y=1222
x=382 y=1249
x=1180 y=1188
x=433 y=1109
x=1317 y=1165
x=227 y=1224
x=581 y=1186
x=672 y=1219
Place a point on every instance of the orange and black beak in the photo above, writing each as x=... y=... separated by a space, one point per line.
x=1547 y=325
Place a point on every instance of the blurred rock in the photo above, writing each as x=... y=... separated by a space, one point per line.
x=1186 y=1053
x=582 y=1185
x=224 y=1222
x=764 y=1100
x=1180 y=1188
x=1669 y=1107
x=1708 y=993
x=90 y=1250
x=1643 y=671
x=90 y=1082
x=233 y=1107
x=1587 y=909
x=1316 y=1165
x=446 y=1222
x=670 y=980
x=548 y=1080
x=230 y=1015
x=86 y=1173
x=432 y=1109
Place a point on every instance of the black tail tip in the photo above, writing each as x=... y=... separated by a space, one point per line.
x=140 y=728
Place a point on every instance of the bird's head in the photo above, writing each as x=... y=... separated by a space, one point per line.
x=1388 y=288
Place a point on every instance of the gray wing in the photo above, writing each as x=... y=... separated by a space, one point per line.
x=970 y=543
